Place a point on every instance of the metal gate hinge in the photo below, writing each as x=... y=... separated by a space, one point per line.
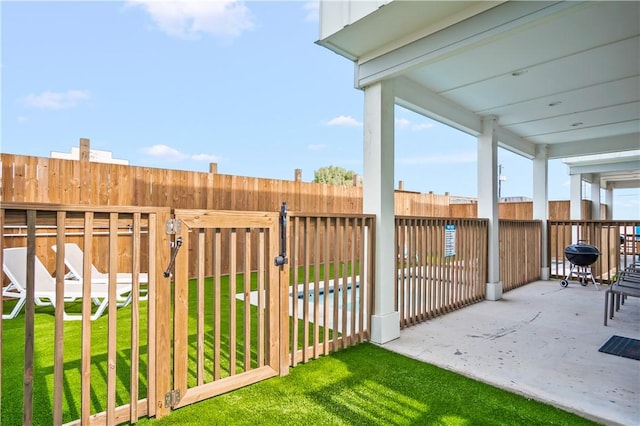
x=172 y=398
x=173 y=226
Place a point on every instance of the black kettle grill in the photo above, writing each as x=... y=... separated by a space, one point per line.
x=581 y=256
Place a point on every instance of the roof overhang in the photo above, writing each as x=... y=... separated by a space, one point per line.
x=560 y=74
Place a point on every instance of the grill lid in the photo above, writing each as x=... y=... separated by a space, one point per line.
x=581 y=254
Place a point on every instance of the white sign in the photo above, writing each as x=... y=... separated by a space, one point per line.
x=449 y=240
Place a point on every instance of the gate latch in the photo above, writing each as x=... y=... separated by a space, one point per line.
x=281 y=259
x=172 y=398
x=167 y=273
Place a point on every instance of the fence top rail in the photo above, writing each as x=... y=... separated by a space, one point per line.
x=596 y=222
x=524 y=221
x=82 y=208
x=332 y=215
x=443 y=219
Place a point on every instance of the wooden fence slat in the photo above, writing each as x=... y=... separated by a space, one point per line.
x=86 y=321
x=261 y=298
x=246 y=271
x=232 y=301
x=29 y=333
x=58 y=355
x=217 y=302
x=112 y=317
x=339 y=236
x=305 y=291
x=317 y=289
x=181 y=316
x=135 y=319
x=200 y=331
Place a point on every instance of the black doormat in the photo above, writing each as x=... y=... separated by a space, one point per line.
x=622 y=346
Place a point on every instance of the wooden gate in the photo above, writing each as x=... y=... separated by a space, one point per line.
x=230 y=314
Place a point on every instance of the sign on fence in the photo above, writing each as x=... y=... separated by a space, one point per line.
x=449 y=240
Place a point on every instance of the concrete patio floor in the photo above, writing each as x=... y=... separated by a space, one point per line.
x=541 y=341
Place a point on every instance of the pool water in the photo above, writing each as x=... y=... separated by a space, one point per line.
x=331 y=294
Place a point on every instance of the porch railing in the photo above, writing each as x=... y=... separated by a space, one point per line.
x=520 y=252
x=441 y=266
x=617 y=241
x=107 y=381
x=331 y=291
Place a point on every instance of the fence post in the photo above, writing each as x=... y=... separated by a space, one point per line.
x=163 y=344
x=298 y=175
x=85 y=171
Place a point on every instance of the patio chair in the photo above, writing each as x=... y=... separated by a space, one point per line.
x=627 y=284
x=15 y=267
x=74 y=260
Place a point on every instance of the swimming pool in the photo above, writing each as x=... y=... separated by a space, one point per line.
x=331 y=294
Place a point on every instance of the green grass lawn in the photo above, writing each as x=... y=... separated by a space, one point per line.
x=368 y=385
x=360 y=385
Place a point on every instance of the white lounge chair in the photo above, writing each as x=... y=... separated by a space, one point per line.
x=15 y=267
x=74 y=258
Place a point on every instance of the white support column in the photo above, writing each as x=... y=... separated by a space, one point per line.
x=488 y=201
x=595 y=198
x=575 y=203
x=608 y=200
x=378 y=199
x=541 y=203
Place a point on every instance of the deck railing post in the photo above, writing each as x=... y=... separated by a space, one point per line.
x=163 y=316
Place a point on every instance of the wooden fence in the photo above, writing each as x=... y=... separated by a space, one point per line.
x=332 y=278
x=118 y=367
x=103 y=381
x=617 y=242
x=26 y=179
x=523 y=210
x=520 y=252
x=438 y=273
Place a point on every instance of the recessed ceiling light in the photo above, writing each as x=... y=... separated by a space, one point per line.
x=577 y=124
x=519 y=73
x=554 y=103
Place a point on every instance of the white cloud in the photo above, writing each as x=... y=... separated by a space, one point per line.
x=421 y=126
x=459 y=158
x=22 y=119
x=206 y=157
x=404 y=123
x=344 y=120
x=316 y=147
x=56 y=100
x=164 y=152
x=167 y=153
x=190 y=19
x=313 y=10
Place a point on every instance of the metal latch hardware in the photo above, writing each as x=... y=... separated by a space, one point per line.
x=173 y=226
x=178 y=244
x=281 y=259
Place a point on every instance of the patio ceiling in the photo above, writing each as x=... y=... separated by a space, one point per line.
x=618 y=170
x=565 y=75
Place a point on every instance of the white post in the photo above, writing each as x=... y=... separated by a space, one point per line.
x=595 y=198
x=576 y=197
x=608 y=199
x=378 y=199
x=488 y=201
x=541 y=203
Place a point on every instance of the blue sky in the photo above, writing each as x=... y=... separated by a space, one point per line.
x=240 y=84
